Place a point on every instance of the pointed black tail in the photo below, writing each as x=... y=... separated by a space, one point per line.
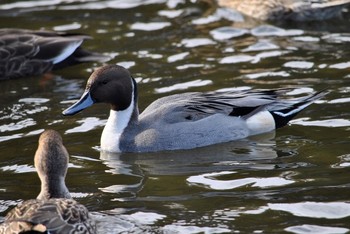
x=284 y=111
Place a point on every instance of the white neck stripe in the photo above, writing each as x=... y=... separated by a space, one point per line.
x=115 y=126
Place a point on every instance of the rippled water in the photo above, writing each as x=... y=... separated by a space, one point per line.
x=294 y=180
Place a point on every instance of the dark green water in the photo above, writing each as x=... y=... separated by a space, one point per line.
x=294 y=180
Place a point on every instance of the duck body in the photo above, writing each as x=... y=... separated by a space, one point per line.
x=297 y=10
x=170 y=123
x=154 y=132
x=56 y=215
x=54 y=210
x=28 y=53
x=183 y=121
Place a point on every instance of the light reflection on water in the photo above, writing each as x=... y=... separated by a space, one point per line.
x=294 y=181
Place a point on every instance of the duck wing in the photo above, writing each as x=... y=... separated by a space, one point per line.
x=195 y=105
x=233 y=103
x=243 y=104
x=25 y=52
x=54 y=215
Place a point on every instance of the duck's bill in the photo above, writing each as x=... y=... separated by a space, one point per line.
x=84 y=102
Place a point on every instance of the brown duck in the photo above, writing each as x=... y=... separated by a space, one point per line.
x=54 y=210
x=298 y=10
x=29 y=53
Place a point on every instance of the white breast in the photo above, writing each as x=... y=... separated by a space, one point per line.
x=116 y=123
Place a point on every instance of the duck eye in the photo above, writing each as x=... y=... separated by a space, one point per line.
x=104 y=82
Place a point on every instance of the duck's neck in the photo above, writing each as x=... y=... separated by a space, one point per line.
x=53 y=188
x=116 y=124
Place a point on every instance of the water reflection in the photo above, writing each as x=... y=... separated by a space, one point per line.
x=173 y=46
x=307 y=228
x=117 y=4
x=145 y=169
x=248 y=153
x=212 y=181
x=327 y=210
x=115 y=222
x=23 y=108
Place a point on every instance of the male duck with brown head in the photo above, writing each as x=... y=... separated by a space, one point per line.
x=54 y=210
x=183 y=121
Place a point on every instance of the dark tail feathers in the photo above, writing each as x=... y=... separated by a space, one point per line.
x=284 y=111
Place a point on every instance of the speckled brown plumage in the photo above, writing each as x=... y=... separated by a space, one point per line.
x=298 y=10
x=53 y=211
x=55 y=215
x=28 y=53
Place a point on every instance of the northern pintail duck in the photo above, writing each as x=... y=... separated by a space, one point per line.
x=28 y=53
x=54 y=210
x=182 y=121
x=298 y=10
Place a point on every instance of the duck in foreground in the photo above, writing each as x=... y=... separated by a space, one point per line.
x=298 y=10
x=54 y=210
x=28 y=53
x=182 y=121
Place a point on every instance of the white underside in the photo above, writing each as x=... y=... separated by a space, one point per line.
x=261 y=122
x=116 y=123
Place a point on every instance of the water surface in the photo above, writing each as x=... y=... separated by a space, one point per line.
x=294 y=180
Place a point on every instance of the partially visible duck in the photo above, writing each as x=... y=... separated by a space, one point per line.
x=28 y=53
x=54 y=210
x=182 y=121
x=298 y=10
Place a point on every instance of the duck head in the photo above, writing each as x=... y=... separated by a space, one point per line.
x=110 y=84
x=51 y=162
